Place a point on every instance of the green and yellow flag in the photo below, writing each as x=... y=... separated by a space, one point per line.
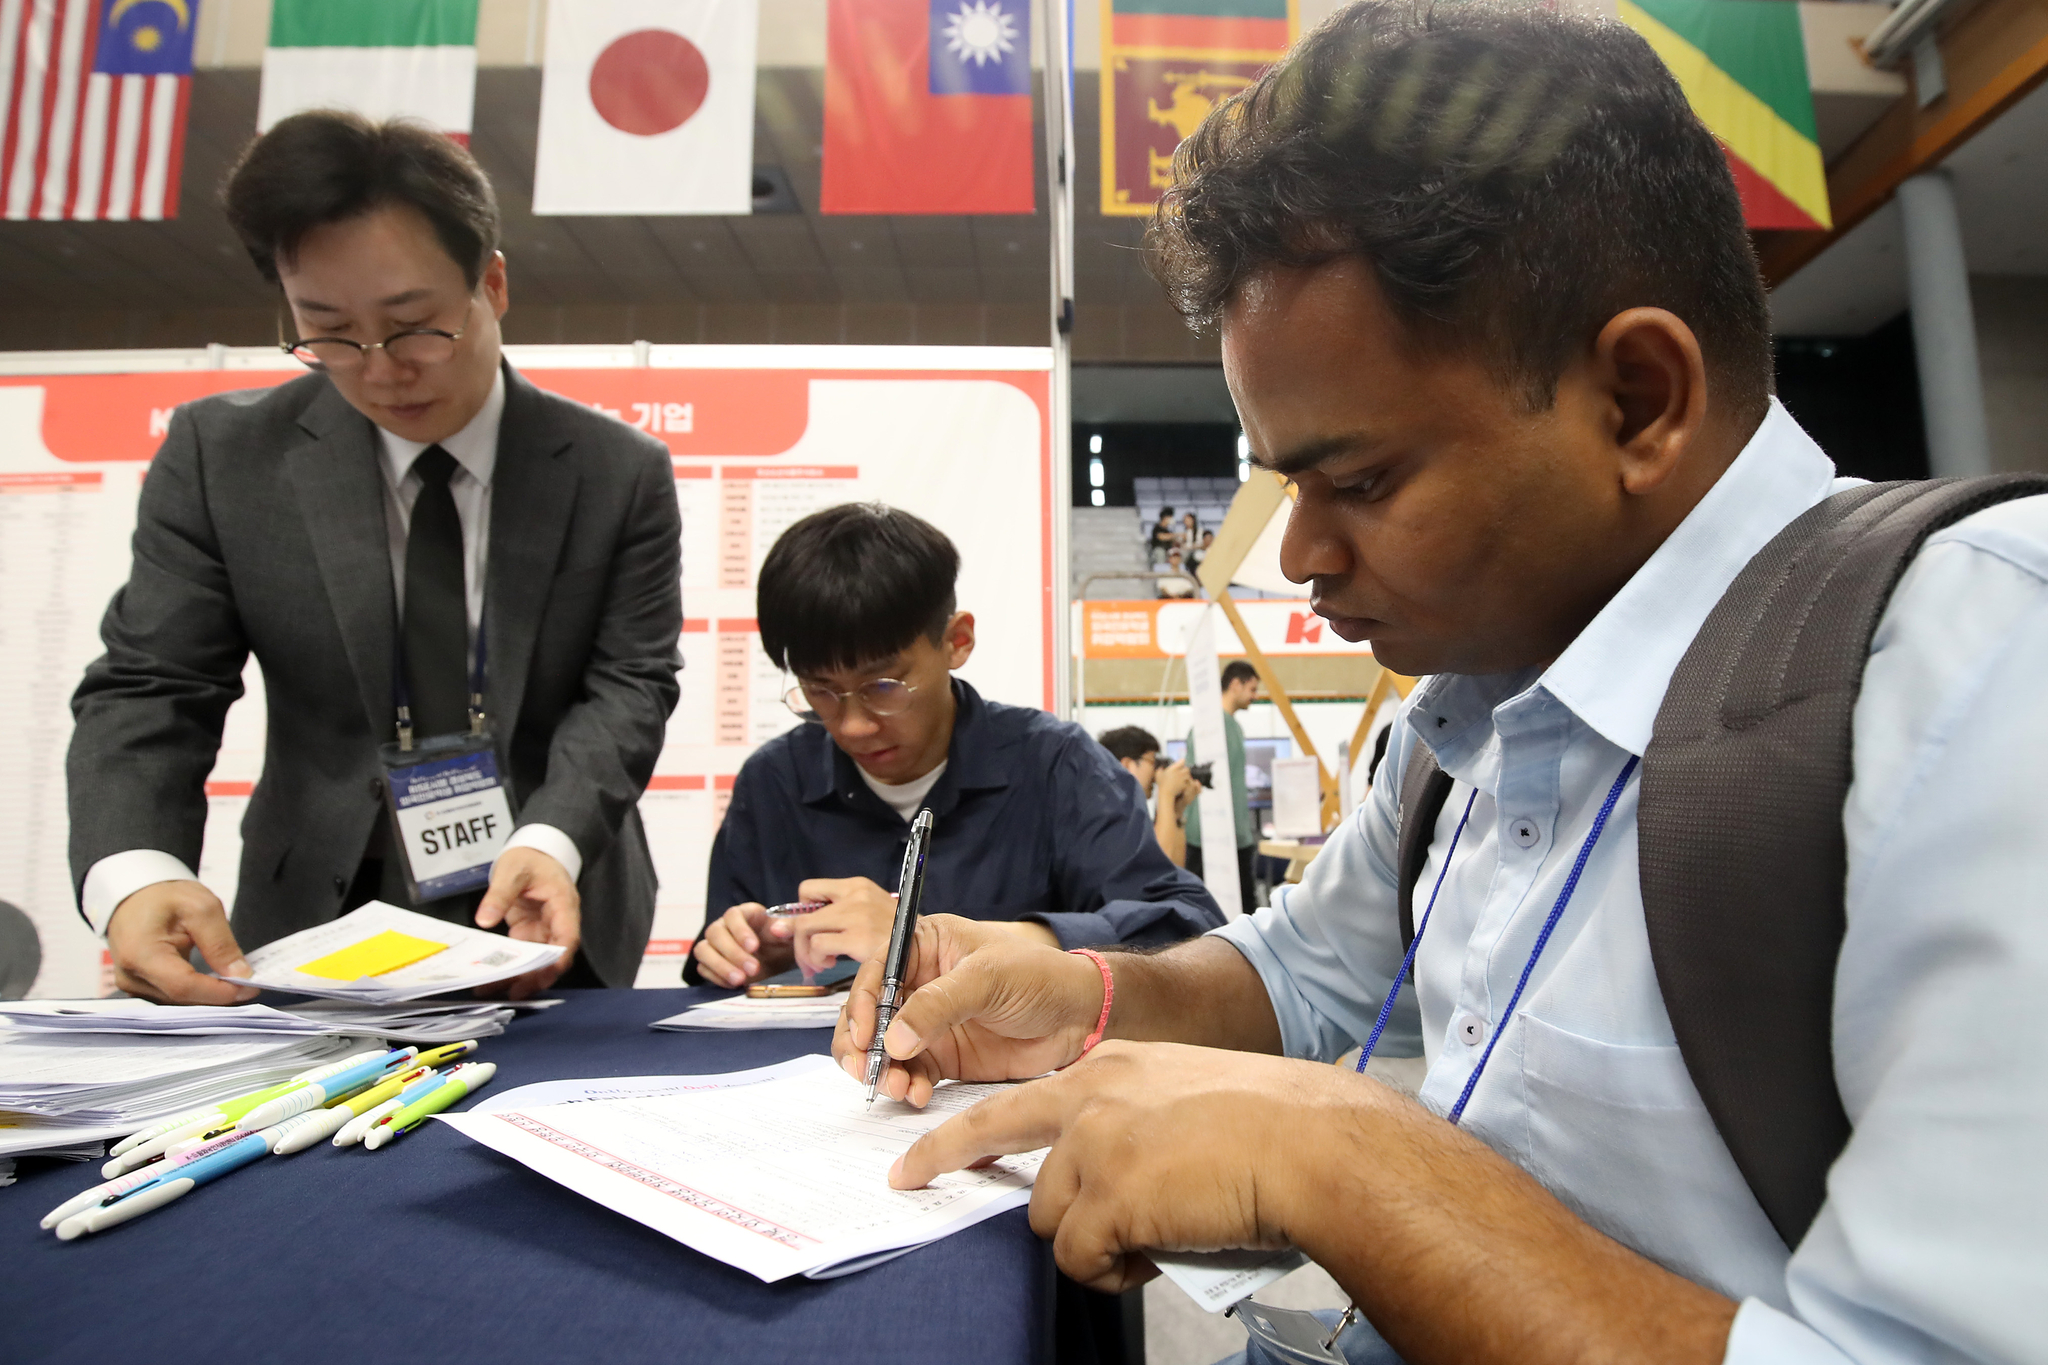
x=1742 y=63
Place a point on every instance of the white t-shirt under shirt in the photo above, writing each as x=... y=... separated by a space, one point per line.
x=903 y=797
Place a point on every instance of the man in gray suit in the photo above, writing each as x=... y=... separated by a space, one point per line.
x=409 y=521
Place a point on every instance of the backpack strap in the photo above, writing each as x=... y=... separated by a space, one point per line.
x=1742 y=853
x=1424 y=789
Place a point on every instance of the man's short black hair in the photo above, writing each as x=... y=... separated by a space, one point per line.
x=1237 y=671
x=1515 y=177
x=328 y=165
x=1130 y=741
x=854 y=585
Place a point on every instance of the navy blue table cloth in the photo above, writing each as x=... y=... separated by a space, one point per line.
x=437 y=1249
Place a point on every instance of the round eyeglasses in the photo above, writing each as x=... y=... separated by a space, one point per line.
x=820 y=705
x=415 y=346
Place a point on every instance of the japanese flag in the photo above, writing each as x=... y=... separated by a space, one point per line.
x=647 y=107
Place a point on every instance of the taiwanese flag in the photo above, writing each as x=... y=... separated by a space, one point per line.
x=928 y=107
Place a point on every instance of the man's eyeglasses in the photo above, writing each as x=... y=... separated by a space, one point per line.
x=415 y=346
x=821 y=705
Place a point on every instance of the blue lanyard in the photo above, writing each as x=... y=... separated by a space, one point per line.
x=401 y=695
x=1564 y=898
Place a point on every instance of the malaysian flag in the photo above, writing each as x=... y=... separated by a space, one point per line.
x=94 y=120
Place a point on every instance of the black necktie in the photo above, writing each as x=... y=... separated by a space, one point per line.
x=436 y=611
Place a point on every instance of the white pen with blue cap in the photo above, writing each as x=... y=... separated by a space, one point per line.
x=314 y=1094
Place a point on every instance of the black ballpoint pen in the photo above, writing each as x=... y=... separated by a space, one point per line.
x=909 y=891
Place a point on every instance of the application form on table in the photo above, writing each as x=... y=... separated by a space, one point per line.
x=383 y=955
x=782 y=1177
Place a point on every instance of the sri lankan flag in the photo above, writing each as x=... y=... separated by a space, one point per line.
x=1742 y=63
x=1165 y=65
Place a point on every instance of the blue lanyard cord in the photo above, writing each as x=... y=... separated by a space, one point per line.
x=479 y=673
x=1408 y=963
x=1564 y=898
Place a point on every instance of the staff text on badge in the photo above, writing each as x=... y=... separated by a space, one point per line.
x=454 y=819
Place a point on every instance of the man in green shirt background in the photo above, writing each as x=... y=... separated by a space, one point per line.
x=1240 y=689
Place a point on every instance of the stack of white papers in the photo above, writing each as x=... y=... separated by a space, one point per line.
x=779 y=1172
x=61 y=1091
x=380 y=955
x=742 y=1013
x=120 y=1014
x=423 y=1022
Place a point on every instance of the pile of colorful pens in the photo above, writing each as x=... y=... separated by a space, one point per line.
x=372 y=1098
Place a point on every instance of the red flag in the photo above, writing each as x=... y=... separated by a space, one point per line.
x=909 y=125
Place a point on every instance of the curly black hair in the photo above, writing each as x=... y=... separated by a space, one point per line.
x=1516 y=177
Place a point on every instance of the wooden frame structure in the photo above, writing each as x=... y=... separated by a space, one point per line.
x=1258 y=500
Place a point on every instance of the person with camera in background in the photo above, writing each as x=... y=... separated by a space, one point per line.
x=1175 y=784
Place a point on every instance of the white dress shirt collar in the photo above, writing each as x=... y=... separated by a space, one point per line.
x=475 y=447
x=1614 y=675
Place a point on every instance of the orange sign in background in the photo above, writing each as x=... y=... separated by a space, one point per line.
x=1160 y=629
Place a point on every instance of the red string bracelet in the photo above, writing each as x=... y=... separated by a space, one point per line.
x=1108 y=996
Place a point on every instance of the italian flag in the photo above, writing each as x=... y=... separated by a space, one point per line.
x=381 y=58
x=1742 y=63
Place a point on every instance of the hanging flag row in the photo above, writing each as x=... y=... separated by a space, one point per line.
x=647 y=106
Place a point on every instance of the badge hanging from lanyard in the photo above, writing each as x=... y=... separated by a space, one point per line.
x=1299 y=1338
x=1291 y=1335
x=450 y=812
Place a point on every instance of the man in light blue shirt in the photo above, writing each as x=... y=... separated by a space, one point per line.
x=1521 y=384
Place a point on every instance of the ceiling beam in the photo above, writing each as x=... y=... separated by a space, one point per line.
x=1994 y=56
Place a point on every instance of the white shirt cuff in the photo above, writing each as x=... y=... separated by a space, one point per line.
x=118 y=876
x=551 y=841
x=1762 y=1335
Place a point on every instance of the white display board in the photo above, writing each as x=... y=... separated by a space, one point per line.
x=760 y=436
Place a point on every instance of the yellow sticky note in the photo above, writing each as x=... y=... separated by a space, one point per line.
x=374 y=956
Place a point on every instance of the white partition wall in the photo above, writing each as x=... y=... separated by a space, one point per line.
x=760 y=437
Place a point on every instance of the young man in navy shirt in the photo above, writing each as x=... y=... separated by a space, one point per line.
x=1036 y=825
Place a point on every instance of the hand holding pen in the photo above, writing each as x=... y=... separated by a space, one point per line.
x=833 y=918
x=909 y=894
x=1011 y=1010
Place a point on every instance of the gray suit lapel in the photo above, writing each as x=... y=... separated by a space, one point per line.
x=533 y=494
x=341 y=496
